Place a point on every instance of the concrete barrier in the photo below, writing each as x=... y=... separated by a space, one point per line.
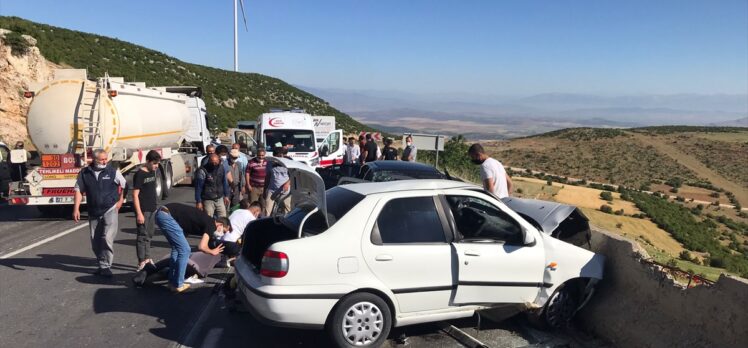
x=638 y=305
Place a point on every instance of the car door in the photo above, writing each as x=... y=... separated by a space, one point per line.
x=335 y=150
x=494 y=265
x=243 y=137
x=408 y=250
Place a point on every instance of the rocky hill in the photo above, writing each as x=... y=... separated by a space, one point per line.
x=229 y=95
x=20 y=63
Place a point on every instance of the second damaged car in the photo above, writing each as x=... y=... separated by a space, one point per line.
x=360 y=259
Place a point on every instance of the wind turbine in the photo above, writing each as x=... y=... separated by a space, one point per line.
x=236 y=32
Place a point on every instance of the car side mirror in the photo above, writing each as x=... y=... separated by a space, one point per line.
x=18 y=156
x=528 y=238
x=323 y=151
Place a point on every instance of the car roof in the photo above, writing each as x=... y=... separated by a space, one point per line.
x=406 y=185
x=400 y=165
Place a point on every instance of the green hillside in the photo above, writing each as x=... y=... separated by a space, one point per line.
x=229 y=95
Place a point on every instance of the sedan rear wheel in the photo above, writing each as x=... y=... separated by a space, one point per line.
x=360 y=320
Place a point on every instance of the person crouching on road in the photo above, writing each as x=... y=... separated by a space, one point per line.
x=144 y=201
x=492 y=172
x=176 y=221
x=103 y=186
x=239 y=220
x=212 y=188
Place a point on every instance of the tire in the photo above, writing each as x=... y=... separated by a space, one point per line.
x=167 y=180
x=159 y=183
x=559 y=309
x=360 y=312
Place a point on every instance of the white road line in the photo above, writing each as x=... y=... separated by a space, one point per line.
x=43 y=241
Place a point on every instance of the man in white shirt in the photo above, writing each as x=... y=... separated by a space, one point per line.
x=239 y=219
x=492 y=172
x=352 y=153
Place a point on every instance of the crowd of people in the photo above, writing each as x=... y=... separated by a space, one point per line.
x=231 y=190
x=367 y=150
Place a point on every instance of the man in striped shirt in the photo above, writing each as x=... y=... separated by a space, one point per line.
x=255 y=176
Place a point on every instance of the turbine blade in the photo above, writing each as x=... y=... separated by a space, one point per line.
x=244 y=15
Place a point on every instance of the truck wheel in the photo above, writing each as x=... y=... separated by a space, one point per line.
x=360 y=320
x=167 y=182
x=159 y=183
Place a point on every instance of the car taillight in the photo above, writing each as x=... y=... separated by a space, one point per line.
x=274 y=264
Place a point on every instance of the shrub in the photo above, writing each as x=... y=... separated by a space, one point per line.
x=675 y=182
x=619 y=225
x=519 y=190
x=619 y=212
x=672 y=263
x=606 y=196
x=18 y=45
x=606 y=208
x=685 y=255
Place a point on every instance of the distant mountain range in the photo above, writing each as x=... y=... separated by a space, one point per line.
x=505 y=116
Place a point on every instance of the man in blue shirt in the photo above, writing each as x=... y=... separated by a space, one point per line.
x=277 y=184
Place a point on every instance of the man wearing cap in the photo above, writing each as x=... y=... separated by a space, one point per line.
x=237 y=172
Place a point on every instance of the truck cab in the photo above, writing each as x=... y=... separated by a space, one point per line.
x=293 y=129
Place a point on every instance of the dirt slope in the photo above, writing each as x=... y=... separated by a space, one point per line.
x=16 y=72
x=696 y=166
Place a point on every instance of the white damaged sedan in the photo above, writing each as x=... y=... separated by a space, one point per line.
x=361 y=258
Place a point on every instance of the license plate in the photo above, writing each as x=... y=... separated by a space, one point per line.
x=63 y=199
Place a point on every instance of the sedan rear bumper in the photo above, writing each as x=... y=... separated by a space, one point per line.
x=275 y=306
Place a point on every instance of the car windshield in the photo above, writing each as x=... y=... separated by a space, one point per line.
x=388 y=175
x=295 y=140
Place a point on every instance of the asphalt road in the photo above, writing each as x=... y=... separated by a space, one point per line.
x=48 y=297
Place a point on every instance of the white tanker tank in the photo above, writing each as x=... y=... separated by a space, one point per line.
x=71 y=116
x=130 y=117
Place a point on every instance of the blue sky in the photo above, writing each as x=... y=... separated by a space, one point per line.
x=481 y=47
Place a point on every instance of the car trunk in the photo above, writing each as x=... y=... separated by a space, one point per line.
x=260 y=235
x=307 y=191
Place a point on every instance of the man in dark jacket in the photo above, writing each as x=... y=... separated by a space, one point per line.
x=389 y=153
x=212 y=190
x=103 y=186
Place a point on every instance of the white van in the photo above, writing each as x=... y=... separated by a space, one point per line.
x=291 y=128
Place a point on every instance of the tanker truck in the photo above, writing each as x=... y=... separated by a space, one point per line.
x=71 y=116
